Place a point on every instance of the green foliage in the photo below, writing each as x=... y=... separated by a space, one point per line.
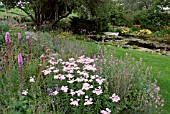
x=131 y=81
x=64 y=24
x=4 y=27
x=125 y=77
x=54 y=11
x=88 y=26
x=158 y=34
x=133 y=28
x=167 y=30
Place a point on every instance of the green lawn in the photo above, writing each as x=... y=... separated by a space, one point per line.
x=159 y=63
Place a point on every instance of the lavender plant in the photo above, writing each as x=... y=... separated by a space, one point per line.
x=132 y=81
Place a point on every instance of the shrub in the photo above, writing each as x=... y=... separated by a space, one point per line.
x=64 y=24
x=134 y=28
x=151 y=20
x=88 y=26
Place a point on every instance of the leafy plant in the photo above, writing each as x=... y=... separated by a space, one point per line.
x=132 y=82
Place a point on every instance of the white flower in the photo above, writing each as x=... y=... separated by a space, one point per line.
x=32 y=79
x=25 y=92
x=107 y=111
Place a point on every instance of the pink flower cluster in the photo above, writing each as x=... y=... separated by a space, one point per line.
x=82 y=82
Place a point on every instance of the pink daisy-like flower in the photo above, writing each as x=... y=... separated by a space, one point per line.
x=85 y=60
x=71 y=59
x=98 y=91
x=71 y=81
x=64 y=88
x=51 y=68
x=74 y=102
x=72 y=92
x=59 y=76
x=83 y=73
x=107 y=111
x=52 y=62
x=80 y=79
x=86 y=86
x=90 y=67
x=56 y=70
x=115 y=98
x=48 y=71
x=69 y=76
x=54 y=93
x=80 y=92
x=88 y=101
x=157 y=89
x=99 y=81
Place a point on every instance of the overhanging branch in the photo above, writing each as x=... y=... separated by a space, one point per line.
x=30 y=15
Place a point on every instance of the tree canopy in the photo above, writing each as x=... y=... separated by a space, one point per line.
x=53 y=11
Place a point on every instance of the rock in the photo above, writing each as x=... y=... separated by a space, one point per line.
x=111 y=33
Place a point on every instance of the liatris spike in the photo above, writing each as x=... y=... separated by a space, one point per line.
x=27 y=38
x=20 y=62
x=7 y=38
x=19 y=36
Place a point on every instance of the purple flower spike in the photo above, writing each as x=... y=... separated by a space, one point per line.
x=7 y=37
x=19 y=36
x=20 y=62
x=27 y=38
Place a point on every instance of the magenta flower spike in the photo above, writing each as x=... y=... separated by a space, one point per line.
x=7 y=37
x=19 y=36
x=27 y=38
x=20 y=62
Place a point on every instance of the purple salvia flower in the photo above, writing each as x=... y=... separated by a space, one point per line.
x=7 y=37
x=20 y=85
x=20 y=62
x=19 y=36
x=27 y=38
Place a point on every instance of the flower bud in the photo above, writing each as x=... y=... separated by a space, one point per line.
x=27 y=38
x=7 y=37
